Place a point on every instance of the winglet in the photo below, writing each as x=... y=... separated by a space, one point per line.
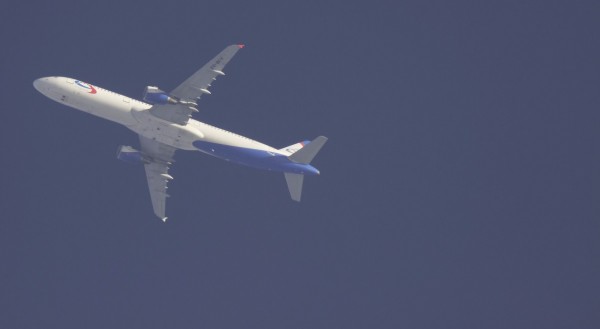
x=241 y=46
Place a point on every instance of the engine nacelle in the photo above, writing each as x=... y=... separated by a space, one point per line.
x=130 y=155
x=153 y=95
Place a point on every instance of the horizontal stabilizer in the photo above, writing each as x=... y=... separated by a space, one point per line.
x=294 y=183
x=307 y=153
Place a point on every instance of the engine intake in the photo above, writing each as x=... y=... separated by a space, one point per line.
x=130 y=155
x=153 y=95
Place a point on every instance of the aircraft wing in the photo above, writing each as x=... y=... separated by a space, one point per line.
x=194 y=87
x=159 y=157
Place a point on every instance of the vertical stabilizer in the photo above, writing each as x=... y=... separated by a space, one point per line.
x=294 y=183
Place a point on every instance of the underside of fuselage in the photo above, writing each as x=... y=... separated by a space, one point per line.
x=255 y=158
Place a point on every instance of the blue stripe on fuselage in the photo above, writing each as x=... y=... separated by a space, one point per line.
x=255 y=158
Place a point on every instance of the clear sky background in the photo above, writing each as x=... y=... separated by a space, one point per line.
x=459 y=187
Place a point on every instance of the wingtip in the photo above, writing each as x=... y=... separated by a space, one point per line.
x=164 y=219
x=241 y=46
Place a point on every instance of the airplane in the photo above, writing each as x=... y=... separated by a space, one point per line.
x=164 y=124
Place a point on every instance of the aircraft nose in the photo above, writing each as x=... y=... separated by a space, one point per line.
x=41 y=84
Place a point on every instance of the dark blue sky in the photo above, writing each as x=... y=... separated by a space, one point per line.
x=459 y=188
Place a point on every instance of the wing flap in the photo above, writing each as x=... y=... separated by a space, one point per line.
x=160 y=157
x=197 y=85
x=194 y=87
x=178 y=113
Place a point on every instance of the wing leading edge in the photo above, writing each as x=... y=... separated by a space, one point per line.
x=194 y=87
x=159 y=157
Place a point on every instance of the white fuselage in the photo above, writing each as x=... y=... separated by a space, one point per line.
x=136 y=116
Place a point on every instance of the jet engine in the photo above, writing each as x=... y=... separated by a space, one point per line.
x=153 y=95
x=130 y=155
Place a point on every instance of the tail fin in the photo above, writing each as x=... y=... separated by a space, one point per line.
x=308 y=152
x=304 y=155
